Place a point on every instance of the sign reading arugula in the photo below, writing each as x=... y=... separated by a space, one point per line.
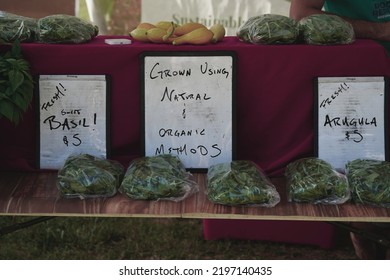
x=73 y=117
x=188 y=106
x=351 y=119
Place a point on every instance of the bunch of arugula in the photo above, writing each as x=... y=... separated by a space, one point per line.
x=325 y=29
x=313 y=180
x=370 y=181
x=269 y=29
x=161 y=177
x=16 y=84
x=240 y=183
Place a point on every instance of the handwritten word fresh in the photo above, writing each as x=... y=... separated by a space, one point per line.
x=327 y=101
x=57 y=95
x=172 y=96
x=347 y=121
x=213 y=152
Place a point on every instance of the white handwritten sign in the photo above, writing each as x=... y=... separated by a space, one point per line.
x=72 y=117
x=188 y=107
x=351 y=119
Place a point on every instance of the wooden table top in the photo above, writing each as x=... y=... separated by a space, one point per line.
x=36 y=194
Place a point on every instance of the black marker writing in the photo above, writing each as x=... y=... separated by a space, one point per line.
x=357 y=137
x=168 y=132
x=67 y=124
x=76 y=141
x=57 y=95
x=346 y=121
x=157 y=73
x=206 y=69
x=202 y=150
x=327 y=101
x=171 y=95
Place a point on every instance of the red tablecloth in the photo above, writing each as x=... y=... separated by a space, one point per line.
x=274 y=94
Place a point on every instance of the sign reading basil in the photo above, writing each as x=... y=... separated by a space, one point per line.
x=351 y=119
x=188 y=103
x=73 y=117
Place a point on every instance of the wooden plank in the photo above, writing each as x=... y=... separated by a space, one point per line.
x=36 y=194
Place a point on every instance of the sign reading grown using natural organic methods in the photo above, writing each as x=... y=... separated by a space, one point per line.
x=188 y=106
x=351 y=120
x=73 y=117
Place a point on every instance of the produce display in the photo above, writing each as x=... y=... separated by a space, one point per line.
x=313 y=180
x=165 y=32
x=325 y=29
x=369 y=181
x=240 y=183
x=85 y=176
x=65 y=29
x=269 y=29
x=14 y=27
x=62 y=29
x=160 y=177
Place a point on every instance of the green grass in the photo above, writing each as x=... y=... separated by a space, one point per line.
x=79 y=238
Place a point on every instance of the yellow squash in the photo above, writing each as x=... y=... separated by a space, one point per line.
x=198 y=36
x=139 y=34
x=146 y=25
x=165 y=24
x=219 y=32
x=187 y=27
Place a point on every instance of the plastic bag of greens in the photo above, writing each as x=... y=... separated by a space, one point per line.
x=240 y=183
x=370 y=181
x=313 y=180
x=161 y=177
x=65 y=29
x=85 y=176
x=269 y=29
x=325 y=29
x=14 y=27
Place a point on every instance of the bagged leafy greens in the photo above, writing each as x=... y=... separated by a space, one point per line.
x=370 y=181
x=65 y=29
x=240 y=183
x=313 y=180
x=325 y=29
x=14 y=27
x=84 y=176
x=269 y=29
x=161 y=177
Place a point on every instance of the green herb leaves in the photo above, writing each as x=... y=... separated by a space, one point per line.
x=85 y=176
x=313 y=180
x=16 y=84
x=240 y=183
x=161 y=177
x=370 y=181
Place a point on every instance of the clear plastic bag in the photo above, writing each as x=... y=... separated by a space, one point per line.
x=161 y=177
x=325 y=29
x=269 y=29
x=87 y=176
x=370 y=181
x=65 y=29
x=240 y=183
x=14 y=27
x=314 y=180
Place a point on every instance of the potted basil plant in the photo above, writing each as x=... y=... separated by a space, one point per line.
x=16 y=83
